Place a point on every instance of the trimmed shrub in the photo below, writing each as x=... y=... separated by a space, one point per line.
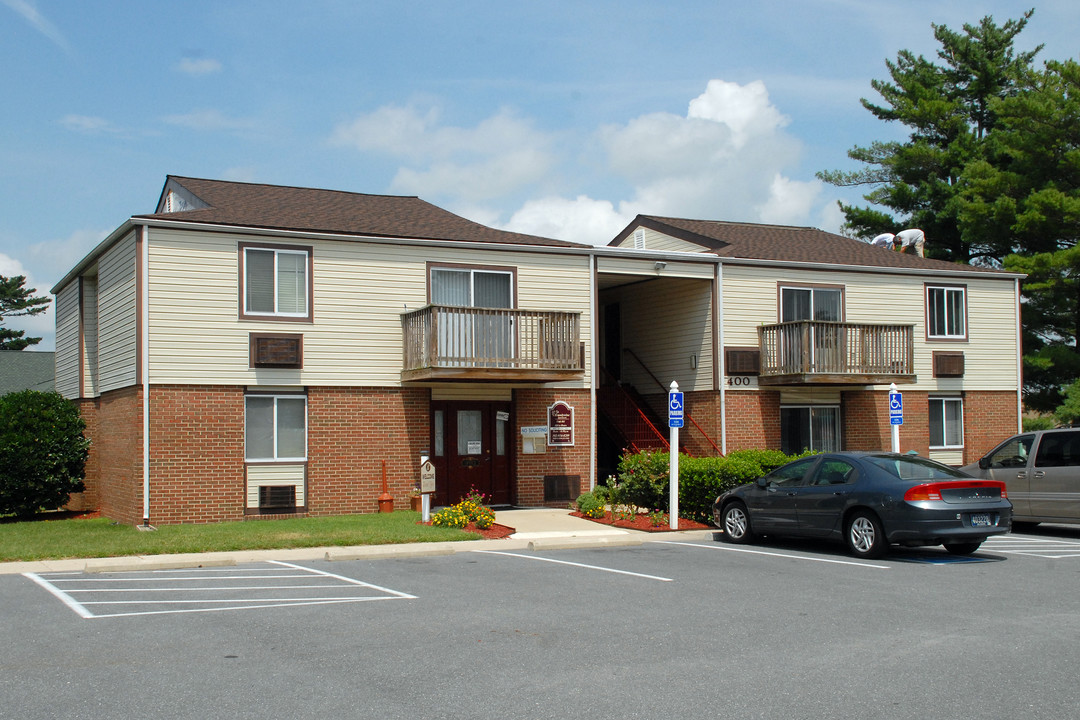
x=42 y=452
x=591 y=504
x=643 y=479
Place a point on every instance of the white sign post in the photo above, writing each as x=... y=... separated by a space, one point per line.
x=427 y=487
x=896 y=415
x=675 y=421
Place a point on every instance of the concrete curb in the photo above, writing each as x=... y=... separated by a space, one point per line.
x=356 y=552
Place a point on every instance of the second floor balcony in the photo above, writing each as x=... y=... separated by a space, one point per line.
x=443 y=342
x=836 y=353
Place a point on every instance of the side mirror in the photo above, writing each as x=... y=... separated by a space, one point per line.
x=984 y=462
x=762 y=482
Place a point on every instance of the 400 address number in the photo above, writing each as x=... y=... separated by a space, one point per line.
x=742 y=381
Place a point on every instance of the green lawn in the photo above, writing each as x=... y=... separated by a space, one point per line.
x=100 y=537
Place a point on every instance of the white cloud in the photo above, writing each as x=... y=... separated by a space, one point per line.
x=198 y=66
x=729 y=157
x=790 y=202
x=744 y=109
x=500 y=154
x=89 y=124
x=582 y=219
x=29 y=12
x=208 y=120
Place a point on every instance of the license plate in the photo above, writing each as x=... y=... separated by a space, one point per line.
x=981 y=520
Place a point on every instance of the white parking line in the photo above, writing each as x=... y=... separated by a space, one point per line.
x=574 y=564
x=774 y=554
x=82 y=593
x=1049 y=548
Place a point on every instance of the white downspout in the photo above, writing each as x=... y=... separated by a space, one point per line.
x=144 y=310
x=719 y=320
x=1019 y=363
x=594 y=314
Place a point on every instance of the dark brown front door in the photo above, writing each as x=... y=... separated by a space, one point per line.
x=471 y=447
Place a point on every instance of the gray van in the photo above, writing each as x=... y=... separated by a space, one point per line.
x=1041 y=471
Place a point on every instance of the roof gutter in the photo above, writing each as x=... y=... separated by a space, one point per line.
x=93 y=255
x=965 y=270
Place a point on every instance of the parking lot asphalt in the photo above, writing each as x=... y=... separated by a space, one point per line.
x=676 y=623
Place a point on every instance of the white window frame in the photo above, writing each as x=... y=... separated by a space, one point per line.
x=945 y=445
x=276 y=312
x=951 y=332
x=277 y=457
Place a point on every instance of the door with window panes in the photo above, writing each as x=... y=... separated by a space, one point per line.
x=471 y=449
x=473 y=339
x=825 y=343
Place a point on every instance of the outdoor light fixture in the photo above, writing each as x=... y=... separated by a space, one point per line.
x=659 y=265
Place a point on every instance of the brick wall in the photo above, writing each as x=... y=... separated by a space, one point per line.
x=989 y=418
x=753 y=419
x=118 y=447
x=351 y=432
x=196 y=454
x=531 y=409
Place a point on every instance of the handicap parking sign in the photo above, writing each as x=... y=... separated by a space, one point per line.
x=896 y=408
x=675 y=409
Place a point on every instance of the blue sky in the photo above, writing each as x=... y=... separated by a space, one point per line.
x=563 y=119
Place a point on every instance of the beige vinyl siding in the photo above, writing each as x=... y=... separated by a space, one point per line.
x=360 y=291
x=750 y=300
x=67 y=341
x=646 y=267
x=661 y=241
x=676 y=317
x=494 y=392
x=117 y=313
x=90 y=336
x=277 y=475
x=948 y=457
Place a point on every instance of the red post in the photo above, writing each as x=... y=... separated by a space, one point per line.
x=386 y=500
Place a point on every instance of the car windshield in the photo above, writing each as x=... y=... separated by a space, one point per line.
x=912 y=467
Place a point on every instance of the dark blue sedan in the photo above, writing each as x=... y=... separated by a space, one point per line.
x=869 y=500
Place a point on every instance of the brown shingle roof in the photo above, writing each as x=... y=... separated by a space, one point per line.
x=332 y=211
x=784 y=243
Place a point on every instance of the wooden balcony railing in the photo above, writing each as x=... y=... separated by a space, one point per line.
x=450 y=343
x=809 y=352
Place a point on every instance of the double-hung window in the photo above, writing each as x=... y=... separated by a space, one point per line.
x=275 y=428
x=946 y=312
x=275 y=282
x=946 y=422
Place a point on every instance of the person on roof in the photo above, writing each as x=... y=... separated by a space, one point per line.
x=911 y=241
x=884 y=240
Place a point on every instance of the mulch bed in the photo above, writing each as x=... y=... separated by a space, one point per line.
x=643 y=522
x=495 y=532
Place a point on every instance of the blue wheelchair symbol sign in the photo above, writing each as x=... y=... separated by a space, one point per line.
x=675 y=409
x=896 y=409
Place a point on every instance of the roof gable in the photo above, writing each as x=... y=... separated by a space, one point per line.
x=785 y=243
x=277 y=207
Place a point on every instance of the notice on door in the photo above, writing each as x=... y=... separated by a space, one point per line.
x=474 y=447
x=560 y=424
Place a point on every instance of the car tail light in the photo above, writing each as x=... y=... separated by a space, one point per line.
x=932 y=491
x=926 y=491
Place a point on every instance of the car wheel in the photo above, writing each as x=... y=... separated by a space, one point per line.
x=865 y=537
x=962 y=548
x=735 y=522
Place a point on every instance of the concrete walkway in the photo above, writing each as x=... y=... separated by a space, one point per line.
x=537 y=529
